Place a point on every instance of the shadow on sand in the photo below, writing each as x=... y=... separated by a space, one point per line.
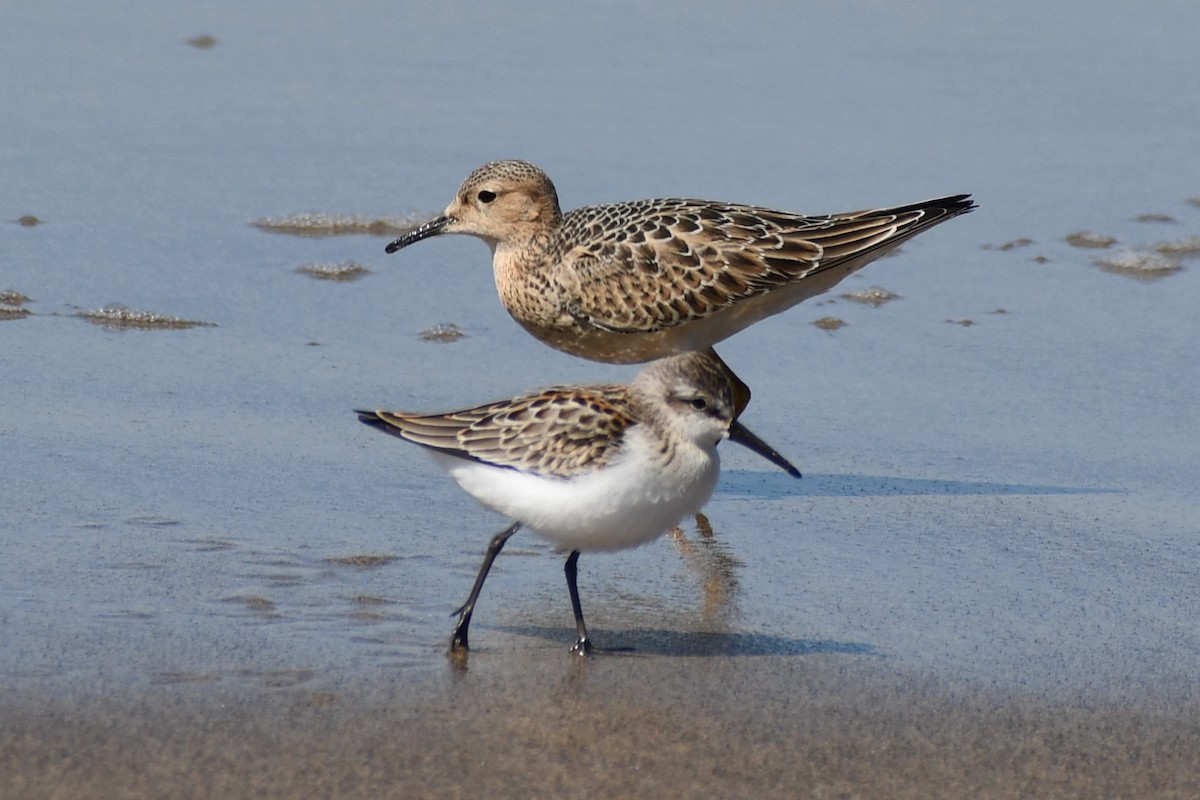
x=656 y=642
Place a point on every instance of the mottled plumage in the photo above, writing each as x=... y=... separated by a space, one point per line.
x=634 y=281
x=560 y=431
x=592 y=468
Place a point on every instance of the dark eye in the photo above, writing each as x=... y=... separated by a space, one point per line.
x=699 y=404
x=486 y=197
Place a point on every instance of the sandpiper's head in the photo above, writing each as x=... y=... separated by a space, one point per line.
x=502 y=201
x=702 y=399
x=694 y=393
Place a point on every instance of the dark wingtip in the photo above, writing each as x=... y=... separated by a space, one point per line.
x=394 y=246
x=943 y=207
x=374 y=419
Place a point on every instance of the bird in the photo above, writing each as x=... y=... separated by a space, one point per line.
x=589 y=468
x=630 y=282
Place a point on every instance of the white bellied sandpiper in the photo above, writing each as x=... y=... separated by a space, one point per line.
x=588 y=468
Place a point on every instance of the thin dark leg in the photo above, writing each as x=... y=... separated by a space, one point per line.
x=458 y=642
x=583 y=647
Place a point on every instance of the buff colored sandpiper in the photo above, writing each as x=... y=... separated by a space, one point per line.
x=589 y=468
x=631 y=282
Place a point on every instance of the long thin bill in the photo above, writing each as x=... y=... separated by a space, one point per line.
x=431 y=228
x=742 y=435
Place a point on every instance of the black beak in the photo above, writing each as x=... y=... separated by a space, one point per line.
x=431 y=228
x=742 y=435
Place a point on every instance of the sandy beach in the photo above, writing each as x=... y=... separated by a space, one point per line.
x=541 y=725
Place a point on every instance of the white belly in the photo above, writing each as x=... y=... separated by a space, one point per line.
x=628 y=503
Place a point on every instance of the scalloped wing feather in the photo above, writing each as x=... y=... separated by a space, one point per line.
x=653 y=264
x=558 y=432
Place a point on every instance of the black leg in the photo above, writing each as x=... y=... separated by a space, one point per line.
x=458 y=642
x=583 y=647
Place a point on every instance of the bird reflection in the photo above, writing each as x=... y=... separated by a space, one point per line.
x=713 y=563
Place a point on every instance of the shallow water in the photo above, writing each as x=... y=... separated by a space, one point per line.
x=1000 y=465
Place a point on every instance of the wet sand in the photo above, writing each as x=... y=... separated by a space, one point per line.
x=542 y=724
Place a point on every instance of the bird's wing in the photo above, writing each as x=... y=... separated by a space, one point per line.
x=558 y=432
x=653 y=264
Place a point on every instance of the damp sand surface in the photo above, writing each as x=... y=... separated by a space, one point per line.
x=215 y=581
x=533 y=723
